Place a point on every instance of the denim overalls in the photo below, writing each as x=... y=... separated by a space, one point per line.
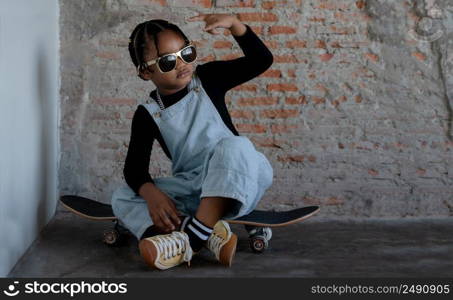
x=208 y=160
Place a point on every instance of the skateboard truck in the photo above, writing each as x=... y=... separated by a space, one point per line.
x=115 y=236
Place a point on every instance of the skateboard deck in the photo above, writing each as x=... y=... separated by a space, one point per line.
x=95 y=210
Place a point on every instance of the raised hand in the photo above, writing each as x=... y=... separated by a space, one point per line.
x=214 y=21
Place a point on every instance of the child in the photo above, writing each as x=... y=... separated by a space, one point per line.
x=216 y=173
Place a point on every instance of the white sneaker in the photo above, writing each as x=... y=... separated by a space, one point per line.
x=222 y=242
x=167 y=250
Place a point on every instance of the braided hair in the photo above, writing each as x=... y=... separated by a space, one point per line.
x=141 y=35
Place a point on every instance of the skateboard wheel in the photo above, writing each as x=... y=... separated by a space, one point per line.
x=111 y=237
x=258 y=244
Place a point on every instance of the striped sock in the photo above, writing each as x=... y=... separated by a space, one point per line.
x=197 y=231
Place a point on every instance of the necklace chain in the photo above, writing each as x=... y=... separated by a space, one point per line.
x=159 y=101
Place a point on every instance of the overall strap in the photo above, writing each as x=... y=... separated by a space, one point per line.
x=152 y=107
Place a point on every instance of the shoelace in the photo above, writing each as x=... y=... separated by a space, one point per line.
x=175 y=244
x=215 y=242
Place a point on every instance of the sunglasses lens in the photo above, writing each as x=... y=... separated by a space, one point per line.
x=189 y=54
x=167 y=63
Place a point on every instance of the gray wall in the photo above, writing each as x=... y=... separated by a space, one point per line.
x=354 y=114
x=28 y=123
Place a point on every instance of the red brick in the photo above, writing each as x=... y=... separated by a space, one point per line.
x=317 y=19
x=321 y=87
x=373 y=172
x=267 y=142
x=222 y=44
x=254 y=128
x=326 y=57
x=295 y=158
x=272 y=44
x=282 y=128
x=333 y=201
x=192 y=3
x=311 y=200
x=256 y=29
x=372 y=57
x=336 y=44
x=153 y=2
x=257 y=101
x=421 y=171
x=288 y=58
x=245 y=87
x=331 y=5
x=242 y=114
x=400 y=145
x=298 y=100
x=281 y=87
x=269 y=4
x=279 y=113
x=342 y=30
x=257 y=17
x=420 y=56
x=200 y=43
x=129 y=115
x=339 y=100
x=235 y=3
x=231 y=56
x=208 y=58
x=320 y=44
x=340 y=17
x=282 y=30
x=360 y=4
x=291 y=73
x=281 y=4
x=318 y=100
x=358 y=99
x=296 y=44
x=272 y=73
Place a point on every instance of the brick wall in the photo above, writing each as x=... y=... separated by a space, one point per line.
x=354 y=113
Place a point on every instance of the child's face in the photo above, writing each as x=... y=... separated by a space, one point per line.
x=169 y=42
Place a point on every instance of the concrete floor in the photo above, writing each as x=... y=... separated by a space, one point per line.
x=70 y=246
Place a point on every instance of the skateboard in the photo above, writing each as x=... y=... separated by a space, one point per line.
x=258 y=223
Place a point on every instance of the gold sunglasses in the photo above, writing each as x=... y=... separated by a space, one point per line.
x=167 y=62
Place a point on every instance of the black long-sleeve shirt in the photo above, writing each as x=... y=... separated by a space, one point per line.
x=217 y=77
